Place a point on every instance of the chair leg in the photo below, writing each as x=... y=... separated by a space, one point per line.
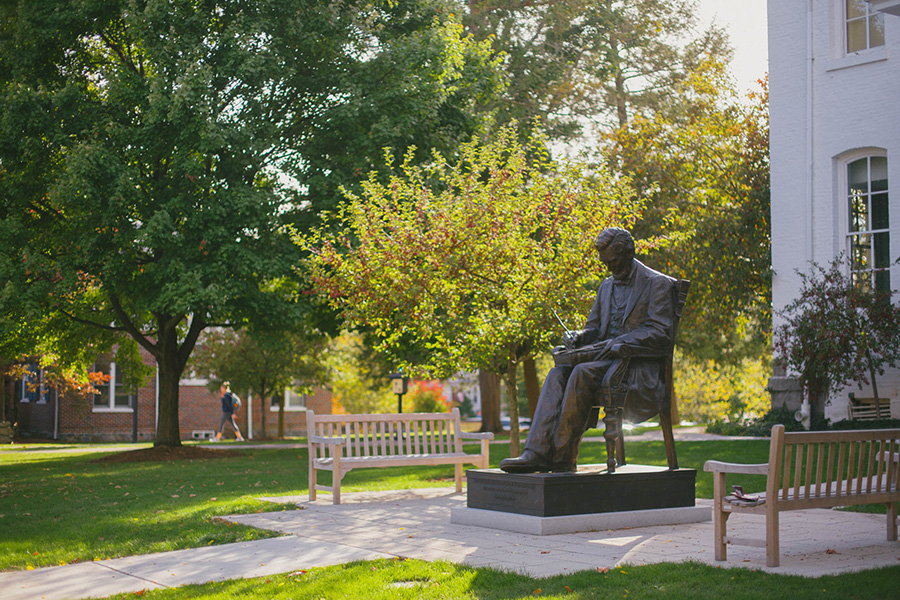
x=610 y=434
x=665 y=423
x=620 y=438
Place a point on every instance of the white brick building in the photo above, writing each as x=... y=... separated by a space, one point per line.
x=834 y=73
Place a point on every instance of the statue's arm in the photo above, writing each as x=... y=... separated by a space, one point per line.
x=653 y=337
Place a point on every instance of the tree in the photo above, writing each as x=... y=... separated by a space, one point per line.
x=577 y=62
x=147 y=149
x=469 y=258
x=262 y=362
x=705 y=172
x=837 y=332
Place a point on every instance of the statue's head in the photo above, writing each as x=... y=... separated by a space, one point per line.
x=615 y=246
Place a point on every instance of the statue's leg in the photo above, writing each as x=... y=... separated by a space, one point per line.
x=580 y=395
x=546 y=416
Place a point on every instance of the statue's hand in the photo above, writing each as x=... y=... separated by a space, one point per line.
x=572 y=340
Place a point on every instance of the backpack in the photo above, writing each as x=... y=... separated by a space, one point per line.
x=235 y=401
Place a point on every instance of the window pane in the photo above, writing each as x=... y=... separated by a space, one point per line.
x=122 y=399
x=861 y=281
x=860 y=246
x=880 y=211
x=101 y=398
x=876 y=30
x=858 y=176
x=856 y=8
x=879 y=174
x=856 y=35
x=883 y=282
x=859 y=213
x=882 y=250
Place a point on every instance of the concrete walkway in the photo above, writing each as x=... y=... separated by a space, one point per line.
x=416 y=524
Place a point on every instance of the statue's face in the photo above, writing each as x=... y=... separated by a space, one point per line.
x=619 y=264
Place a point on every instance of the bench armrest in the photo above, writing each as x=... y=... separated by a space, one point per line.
x=477 y=436
x=716 y=466
x=333 y=441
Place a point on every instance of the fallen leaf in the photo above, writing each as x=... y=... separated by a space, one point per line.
x=297 y=573
x=568 y=589
x=537 y=591
x=545 y=552
x=603 y=569
x=831 y=551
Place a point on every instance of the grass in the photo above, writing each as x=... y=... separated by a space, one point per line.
x=414 y=579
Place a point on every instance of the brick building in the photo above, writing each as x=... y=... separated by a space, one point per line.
x=117 y=414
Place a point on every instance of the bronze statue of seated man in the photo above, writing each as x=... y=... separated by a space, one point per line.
x=633 y=317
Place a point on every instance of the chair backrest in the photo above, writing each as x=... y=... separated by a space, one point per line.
x=680 y=289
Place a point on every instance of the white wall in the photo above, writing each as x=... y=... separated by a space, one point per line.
x=819 y=111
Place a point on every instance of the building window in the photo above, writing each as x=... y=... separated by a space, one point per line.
x=113 y=394
x=292 y=401
x=869 y=237
x=864 y=26
x=32 y=388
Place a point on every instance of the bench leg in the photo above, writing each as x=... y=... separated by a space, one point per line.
x=892 y=521
x=773 y=558
x=312 y=481
x=457 y=476
x=720 y=517
x=336 y=475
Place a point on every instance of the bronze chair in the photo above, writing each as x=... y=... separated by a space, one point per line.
x=614 y=389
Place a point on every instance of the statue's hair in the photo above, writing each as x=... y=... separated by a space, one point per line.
x=618 y=238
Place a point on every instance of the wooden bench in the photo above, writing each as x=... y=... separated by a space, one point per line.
x=341 y=443
x=865 y=409
x=812 y=470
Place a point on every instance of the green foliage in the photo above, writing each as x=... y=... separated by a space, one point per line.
x=837 y=332
x=704 y=165
x=153 y=154
x=467 y=258
x=709 y=391
x=573 y=62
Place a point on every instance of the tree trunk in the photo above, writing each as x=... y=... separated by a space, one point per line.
x=874 y=384
x=512 y=395
x=281 y=418
x=168 y=432
x=489 y=384
x=532 y=387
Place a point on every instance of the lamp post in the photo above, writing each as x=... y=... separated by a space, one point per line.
x=399 y=385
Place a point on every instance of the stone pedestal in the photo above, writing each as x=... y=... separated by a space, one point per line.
x=589 y=491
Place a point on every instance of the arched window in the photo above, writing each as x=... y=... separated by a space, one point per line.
x=868 y=236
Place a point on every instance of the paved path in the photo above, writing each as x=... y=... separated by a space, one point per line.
x=416 y=524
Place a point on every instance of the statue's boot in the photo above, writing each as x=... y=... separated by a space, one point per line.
x=529 y=462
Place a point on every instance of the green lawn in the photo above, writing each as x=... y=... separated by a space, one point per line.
x=414 y=580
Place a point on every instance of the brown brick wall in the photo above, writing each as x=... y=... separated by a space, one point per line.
x=198 y=410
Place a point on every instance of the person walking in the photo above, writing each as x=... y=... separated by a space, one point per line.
x=230 y=402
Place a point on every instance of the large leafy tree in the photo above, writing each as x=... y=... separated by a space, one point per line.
x=152 y=152
x=468 y=258
x=705 y=171
x=594 y=63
